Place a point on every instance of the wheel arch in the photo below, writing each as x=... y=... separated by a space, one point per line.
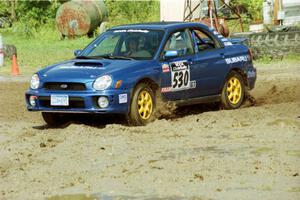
x=153 y=85
x=242 y=73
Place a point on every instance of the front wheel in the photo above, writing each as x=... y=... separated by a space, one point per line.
x=233 y=92
x=142 y=107
x=55 y=120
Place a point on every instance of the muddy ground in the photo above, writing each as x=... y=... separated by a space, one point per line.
x=199 y=153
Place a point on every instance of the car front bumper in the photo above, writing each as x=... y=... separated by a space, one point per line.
x=80 y=102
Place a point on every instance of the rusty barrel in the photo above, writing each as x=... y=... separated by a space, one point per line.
x=77 y=17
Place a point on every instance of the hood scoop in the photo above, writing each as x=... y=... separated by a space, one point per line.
x=88 y=64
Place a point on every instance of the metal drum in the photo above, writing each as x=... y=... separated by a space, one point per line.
x=75 y=18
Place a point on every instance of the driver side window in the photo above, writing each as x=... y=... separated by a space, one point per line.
x=204 y=42
x=181 y=42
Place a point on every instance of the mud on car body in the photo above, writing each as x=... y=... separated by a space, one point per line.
x=124 y=69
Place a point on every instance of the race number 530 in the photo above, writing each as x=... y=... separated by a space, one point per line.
x=180 y=75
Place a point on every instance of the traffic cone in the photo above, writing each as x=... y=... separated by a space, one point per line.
x=14 y=67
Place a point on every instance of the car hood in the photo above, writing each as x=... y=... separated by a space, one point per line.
x=86 y=70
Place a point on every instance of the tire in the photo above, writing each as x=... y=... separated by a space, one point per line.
x=233 y=92
x=142 y=107
x=55 y=120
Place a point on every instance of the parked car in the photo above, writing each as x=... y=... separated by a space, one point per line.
x=124 y=69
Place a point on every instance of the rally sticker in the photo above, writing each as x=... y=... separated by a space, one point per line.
x=165 y=68
x=123 y=98
x=193 y=84
x=227 y=43
x=180 y=75
x=166 y=89
x=131 y=31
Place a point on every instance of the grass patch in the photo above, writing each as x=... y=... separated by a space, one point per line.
x=41 y=50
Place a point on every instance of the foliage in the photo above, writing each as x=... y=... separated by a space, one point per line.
x=4 y=9
x=124 y=12
x=254 y=8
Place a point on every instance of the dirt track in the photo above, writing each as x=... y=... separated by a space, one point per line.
x=250 y=153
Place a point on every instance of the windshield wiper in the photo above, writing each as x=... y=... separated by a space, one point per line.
x=109 y=56
x=121 y=57
x=89 y=57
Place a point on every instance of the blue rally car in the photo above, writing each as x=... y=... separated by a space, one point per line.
x=124 y=69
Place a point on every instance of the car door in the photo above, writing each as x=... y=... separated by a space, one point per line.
x=209 y=67
x=176 y=68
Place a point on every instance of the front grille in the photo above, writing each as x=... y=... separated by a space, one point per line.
x=74 y=102
x=64 y=86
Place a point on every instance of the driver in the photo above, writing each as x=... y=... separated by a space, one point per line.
x=132 y=46
x=133 y=50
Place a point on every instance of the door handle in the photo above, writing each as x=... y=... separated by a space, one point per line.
x=222 y=55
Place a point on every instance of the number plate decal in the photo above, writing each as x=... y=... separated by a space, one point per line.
x=59 y=100
x=180 y=75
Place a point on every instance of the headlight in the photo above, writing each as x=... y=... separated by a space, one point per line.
x=35 y=82
x=102 y=82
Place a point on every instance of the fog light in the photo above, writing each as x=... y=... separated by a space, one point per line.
x=32 y=100
x=103 y=102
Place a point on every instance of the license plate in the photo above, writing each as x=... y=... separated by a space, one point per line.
x=59 y=100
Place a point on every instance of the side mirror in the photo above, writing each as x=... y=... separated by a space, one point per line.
x=171 y=54
x=77 y=52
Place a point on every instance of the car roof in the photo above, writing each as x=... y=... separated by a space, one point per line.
x=160 y=25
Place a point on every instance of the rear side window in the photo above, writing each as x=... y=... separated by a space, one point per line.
x=181 y=42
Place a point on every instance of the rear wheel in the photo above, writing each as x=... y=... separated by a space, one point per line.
x=55 y=119
x=233 y=92
x=142 y=106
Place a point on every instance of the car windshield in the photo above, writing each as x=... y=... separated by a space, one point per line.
x=126 y=44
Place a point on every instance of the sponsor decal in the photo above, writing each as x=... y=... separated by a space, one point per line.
x=132 y=31
x=122 y=98
x=193 y=84
x=227 y=43
x=220 y=36
x=166 y=89
x=237 y=59
x=165 y=68
x=224 y=39
x=216 y=33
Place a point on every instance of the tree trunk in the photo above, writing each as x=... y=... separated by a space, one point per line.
x=13 y=9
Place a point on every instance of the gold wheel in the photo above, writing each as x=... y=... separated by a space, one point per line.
x=234 y=90
x=145 y=104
